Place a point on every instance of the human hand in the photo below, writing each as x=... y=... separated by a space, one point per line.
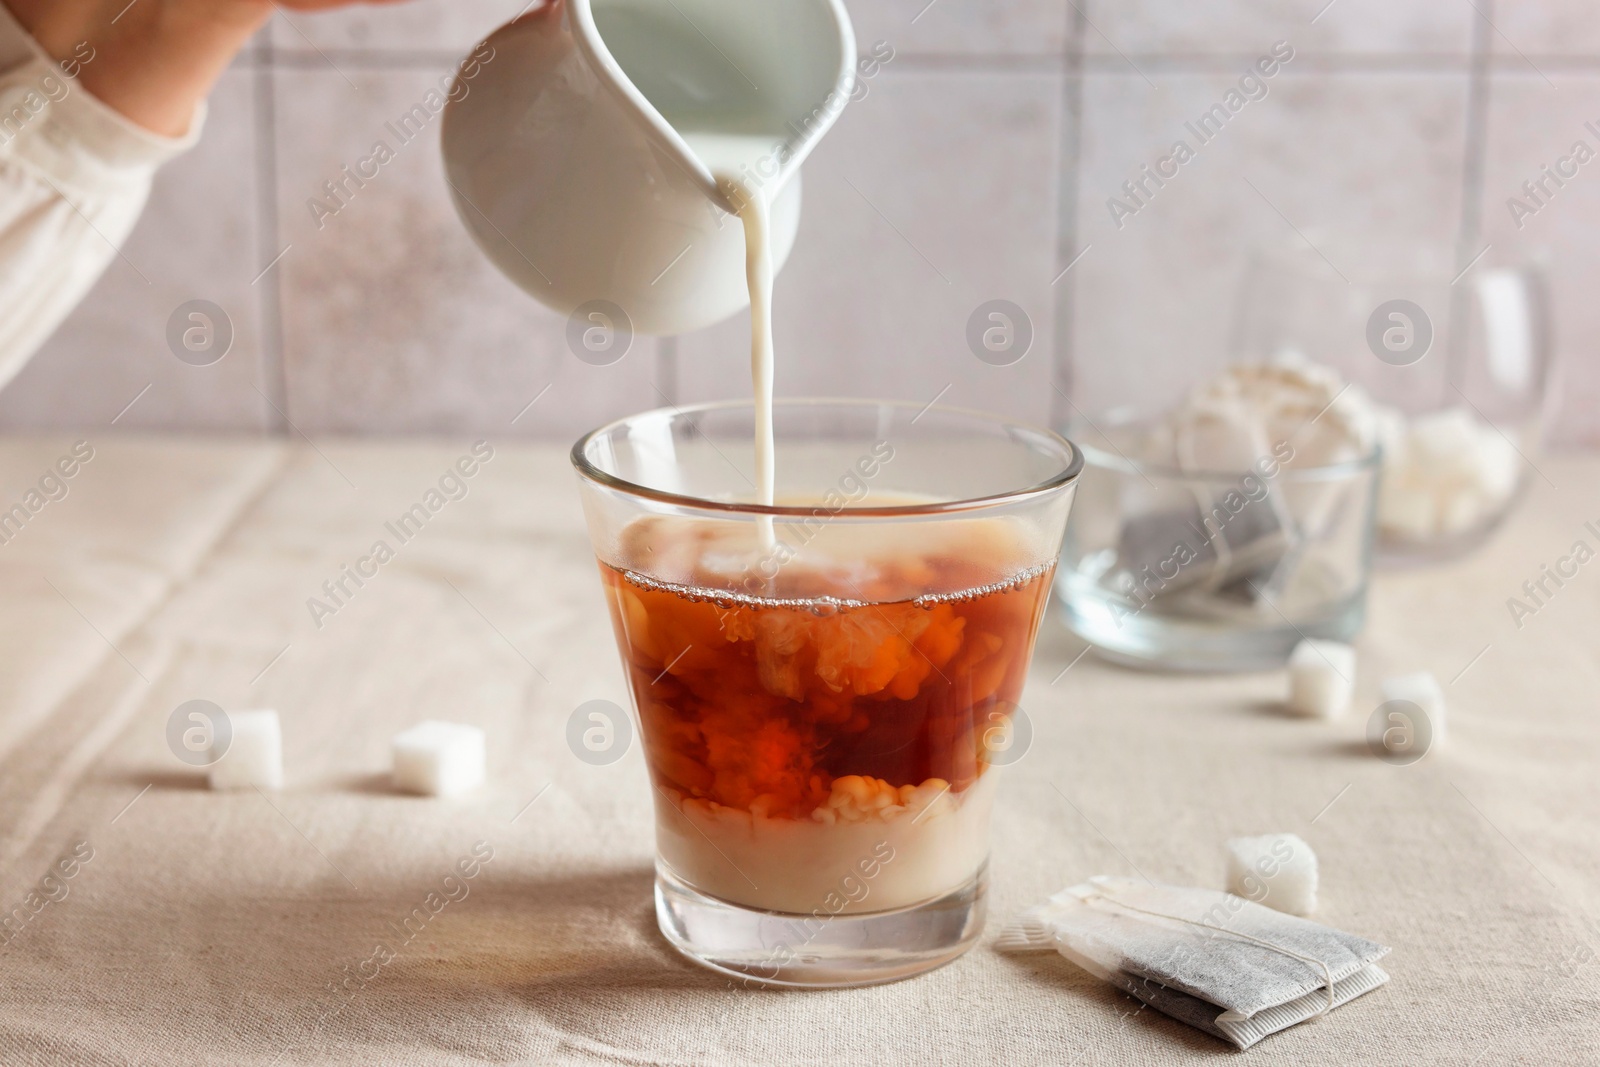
x=152 y=60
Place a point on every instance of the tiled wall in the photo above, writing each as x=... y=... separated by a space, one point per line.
x=978 y=167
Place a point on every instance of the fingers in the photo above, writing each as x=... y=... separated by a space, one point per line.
x=321 y=5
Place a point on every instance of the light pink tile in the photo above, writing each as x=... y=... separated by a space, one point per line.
x=1349 y=161
x=197 y=240
x=1531 y=126
x=931 y=196
x=1018 y=27
x=962 y=27
x=394 y=322
x=448 y=26
x=1414 y=28
x=1537 y=28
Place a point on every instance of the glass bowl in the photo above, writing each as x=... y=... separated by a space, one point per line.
x=1213 y=570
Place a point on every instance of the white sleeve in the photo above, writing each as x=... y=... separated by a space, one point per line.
x=74 y=176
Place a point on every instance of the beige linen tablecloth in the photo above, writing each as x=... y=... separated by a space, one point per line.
x=217 y=929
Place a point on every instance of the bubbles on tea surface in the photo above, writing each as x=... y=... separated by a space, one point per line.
x=829 y=605
x=1017 y=581
x=728 y=598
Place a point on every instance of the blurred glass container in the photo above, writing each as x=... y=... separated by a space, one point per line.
x=1457 y=357
x=1212 y=570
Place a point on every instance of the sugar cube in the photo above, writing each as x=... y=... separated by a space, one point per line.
x=1463 y=508
x=1497 y=465
x=1321 y=678
x=1446 y=439
x=1406 y=505
x=1278 y=870
x=1444 y=473
x=1423 y=690
x=439 y=758
x=254 y=753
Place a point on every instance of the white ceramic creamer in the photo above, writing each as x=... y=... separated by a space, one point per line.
x=591 y=159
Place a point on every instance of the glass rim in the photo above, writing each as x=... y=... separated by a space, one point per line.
x=1113 y=459
x=1061 y=479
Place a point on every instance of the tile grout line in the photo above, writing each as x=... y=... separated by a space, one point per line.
x=269 y=301
x=1021 y=64
x=1474 y=164
x=1068 y=171
x=1480 y=87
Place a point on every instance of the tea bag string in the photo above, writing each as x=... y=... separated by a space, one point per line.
x=1183 y=447
x=1327 y=972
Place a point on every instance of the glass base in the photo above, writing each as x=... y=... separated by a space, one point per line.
x=1153 y=639
x=1397 y=553
x=1393 y=551
x=766 y=948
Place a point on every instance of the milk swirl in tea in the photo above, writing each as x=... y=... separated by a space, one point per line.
x=792 y=731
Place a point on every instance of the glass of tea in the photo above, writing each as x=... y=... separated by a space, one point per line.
x=825 y=686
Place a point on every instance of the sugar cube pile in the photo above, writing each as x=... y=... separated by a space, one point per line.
x=1321 y=678
x=439 y=758
x=1278 y=870
x=253 y=756
x=1443 y=473
x=1423 y=690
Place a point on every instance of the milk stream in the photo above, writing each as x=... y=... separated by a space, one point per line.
x=753 y=211
x=731 y=158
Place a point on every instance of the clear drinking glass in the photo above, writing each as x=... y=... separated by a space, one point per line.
x=825 y=687
x=1213 y=570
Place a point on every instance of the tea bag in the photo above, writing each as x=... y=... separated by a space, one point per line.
x=1218 y=962
x=1246 y=537
x=1221 y=532
x=1164 y=553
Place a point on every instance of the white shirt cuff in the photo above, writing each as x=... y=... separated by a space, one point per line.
x=50 y=122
